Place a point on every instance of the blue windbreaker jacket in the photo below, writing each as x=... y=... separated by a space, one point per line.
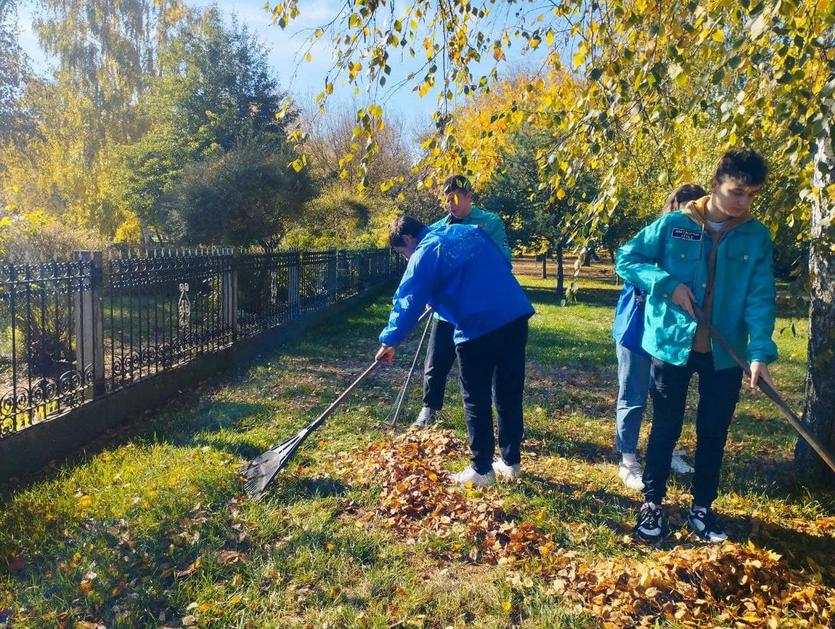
x=465 y=277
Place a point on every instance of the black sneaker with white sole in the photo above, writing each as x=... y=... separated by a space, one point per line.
x=703 y=523
x=651 y=526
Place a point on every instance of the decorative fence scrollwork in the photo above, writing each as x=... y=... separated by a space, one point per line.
x=125 y=316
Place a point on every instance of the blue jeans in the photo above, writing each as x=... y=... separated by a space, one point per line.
x=633 y=387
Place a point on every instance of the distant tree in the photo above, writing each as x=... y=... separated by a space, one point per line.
x=537 y=218
x=62 y=160
x=388 y=189
x=341 y=217
x=14 y=72
x=243 y=196
x=215 y=101
x=335 y=133
x=108 y=53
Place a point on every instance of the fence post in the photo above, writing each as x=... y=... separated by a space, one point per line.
x=364 y=269
x=332 y=276
x=343 y=271
x=89 y=322
x=229 y=294
x=294 y=284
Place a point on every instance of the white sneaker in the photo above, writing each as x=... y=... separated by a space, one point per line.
x=631 y=475
x=425 y=418
x=679 y=465
x=505 y=471
x=469 y=475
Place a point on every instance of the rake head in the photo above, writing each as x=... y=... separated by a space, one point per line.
x=262 y=470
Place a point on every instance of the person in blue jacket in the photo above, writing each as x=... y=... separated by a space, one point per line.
x=468 y=280
x=715 y=256
x=634 y=364
x=440 y=352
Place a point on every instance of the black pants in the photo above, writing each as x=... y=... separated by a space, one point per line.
x=440 y=355
x=493 y=367
x=718 y=395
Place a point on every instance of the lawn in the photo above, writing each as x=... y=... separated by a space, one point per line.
x=151 y=527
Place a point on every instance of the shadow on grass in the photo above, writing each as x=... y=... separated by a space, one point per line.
x=616 y=512
x=287 y=489
x=586 y=296
x=218 y=415
x=575 y=504
x=545 y=442
x=557 y=348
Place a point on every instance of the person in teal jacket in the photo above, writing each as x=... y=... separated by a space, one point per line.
x=634 y=366
x=440 y=352
x=712 y=254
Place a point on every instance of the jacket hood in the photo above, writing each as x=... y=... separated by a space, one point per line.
x=697 y=211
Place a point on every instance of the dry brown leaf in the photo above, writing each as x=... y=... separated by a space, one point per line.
x=226 y=557
x=189 y=570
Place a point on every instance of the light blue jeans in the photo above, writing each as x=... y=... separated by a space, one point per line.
x=633 y=386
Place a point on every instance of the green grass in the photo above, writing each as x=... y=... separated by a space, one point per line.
x=153 y=510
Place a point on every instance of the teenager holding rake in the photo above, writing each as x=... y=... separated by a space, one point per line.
x=715 y=255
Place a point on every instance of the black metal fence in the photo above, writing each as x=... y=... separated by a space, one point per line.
x=74 y=331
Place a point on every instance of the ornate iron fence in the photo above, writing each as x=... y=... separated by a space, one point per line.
x=74 y=331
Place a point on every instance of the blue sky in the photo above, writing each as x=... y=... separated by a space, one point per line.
x=302 y=79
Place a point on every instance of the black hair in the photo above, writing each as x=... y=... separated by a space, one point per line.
x=404 y=226
x=457 y=183
x=745 y=165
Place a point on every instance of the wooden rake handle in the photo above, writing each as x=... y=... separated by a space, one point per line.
x=796 y=423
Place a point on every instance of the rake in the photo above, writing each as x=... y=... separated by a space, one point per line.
x=261 y=470
x=771 y=393
x=398 y=404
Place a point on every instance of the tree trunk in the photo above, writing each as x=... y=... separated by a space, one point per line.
x=819 y=409
x=544 y=266
x=560 y=271
x=587 y=256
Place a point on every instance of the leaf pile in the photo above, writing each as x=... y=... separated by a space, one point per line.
x=727 y=585
x=419 y=501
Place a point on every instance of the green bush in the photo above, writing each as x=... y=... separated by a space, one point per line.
x=340 y=218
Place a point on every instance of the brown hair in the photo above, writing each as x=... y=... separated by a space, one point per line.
x=681 y=195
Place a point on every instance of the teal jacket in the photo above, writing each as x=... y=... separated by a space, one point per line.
x=673 y=250
x=491 y=223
